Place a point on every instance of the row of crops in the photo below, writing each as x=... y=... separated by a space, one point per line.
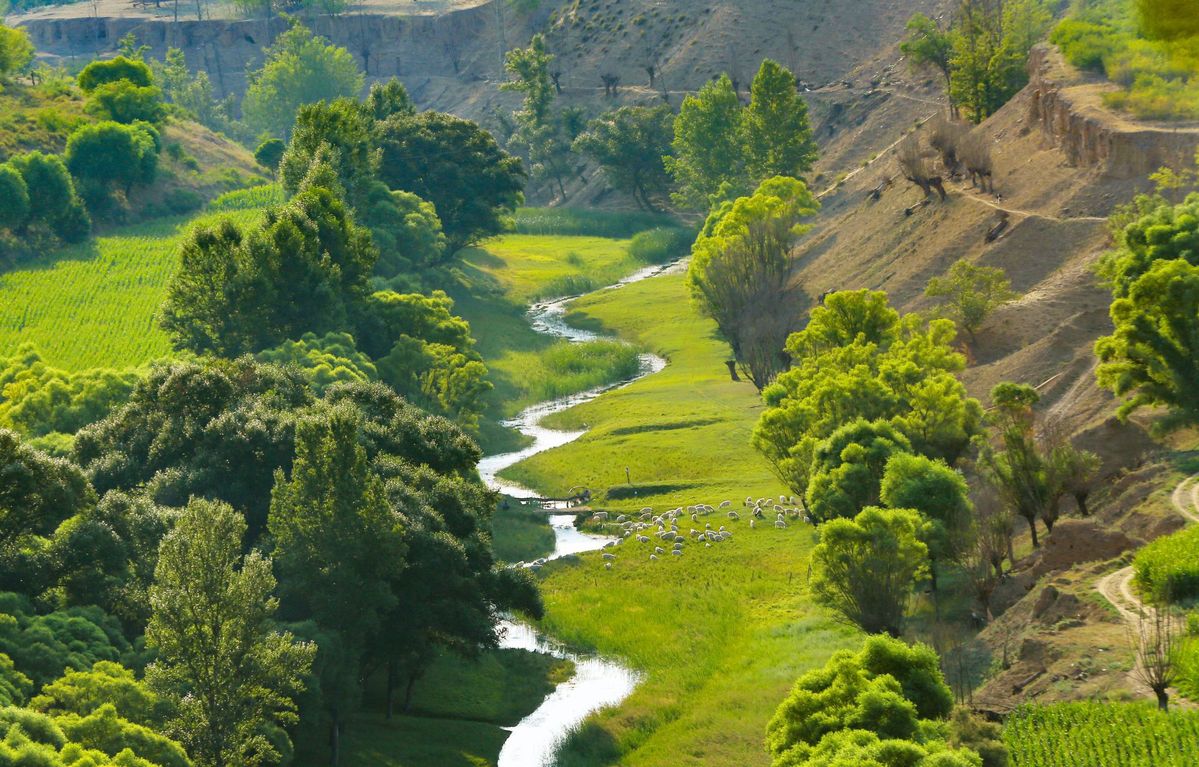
x=96 y=304
x=1102 y=735
x=1167 y=569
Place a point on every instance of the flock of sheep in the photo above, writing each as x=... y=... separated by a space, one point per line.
x=644 y=527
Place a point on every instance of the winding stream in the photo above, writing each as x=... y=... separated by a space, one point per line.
x=598 y=682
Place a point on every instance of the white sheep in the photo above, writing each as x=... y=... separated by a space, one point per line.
x=659 y=550
x=642 y=539
x=677 y=552
x=622 y=519
x=602 y=516
x=607 y=565
x=780 y=524
x=653 y=557
x=752 y=522
x=726 y=504
x=734 y=515
x=609 y=557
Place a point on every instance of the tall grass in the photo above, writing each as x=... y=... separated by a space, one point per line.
x=254 y=197
x=568 y=368
x=661 y=244
x=591 y=223
x=1168 y=567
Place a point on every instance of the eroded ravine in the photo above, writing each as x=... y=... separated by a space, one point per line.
x=598 y=682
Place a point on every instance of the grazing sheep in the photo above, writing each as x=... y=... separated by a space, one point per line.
x=642 y=539
x=659 y=550
x=780 y=524
x=695 y=518
x=622 y=519
x=602 y=516
x=726 y=504
x=726 y=535
x=734 y=515
x=653 y=557
x=752 y=522
x=607 y=565
x=677 y=552
x=648 y=510
x=609 y=557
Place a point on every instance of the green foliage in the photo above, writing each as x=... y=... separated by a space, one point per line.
x=707 y=164
x=387 y=99
x=299 y=69
x=326 y=360
x=1152 y=356
x=857 y=358
x=457 y=166
x=44 y=646
x=1097 y=734
x=740 y=272
x=928 y=45
x=15 y=686
x=661 y=244
x=270 y=153
x=865 y=568
x=123 y=102
x=37 y=399
x=629 y=144
x=105 y=731
x=53 y=204
x=114 y=70
x=970 y=293
x=81 y=692
x=580 y=222
x=1148 y=48
x=339 y=133
x=252 y=198
x=880 y=707
x=14 y=198
x=108 y=154
x=1167 y=569
x=939 y=493
x=302 y=269
x=16 y=51
x=191 y=92
x=545 y=136
x=408 y=233
x=230 y=677
x=776 y=135
x=1154 y=231
x=847 y=468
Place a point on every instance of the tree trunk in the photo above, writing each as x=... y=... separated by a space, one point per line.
x=1163 y=698
x=732 y=369
x=1081 y=500
x=412 y=677
x=334 y=739
x=1032 y=529
x=391 y=688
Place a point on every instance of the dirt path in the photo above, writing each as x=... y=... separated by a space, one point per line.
x=1116 y=587
x=993 y=203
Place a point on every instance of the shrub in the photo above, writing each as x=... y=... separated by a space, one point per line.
x=14 y=198
x=126 y=103
x=1168 y=568
x=100 y=73
x=269 y=153
x=661 y=244
x=109 y=153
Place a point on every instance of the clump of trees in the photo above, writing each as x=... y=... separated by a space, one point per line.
x=981 y=53
x=740 y=273
x=721 y=150
x=16 y=52
x=121 y=90
x=39 y=206
x=886 y=704
x=969 y=293
x=630 y=145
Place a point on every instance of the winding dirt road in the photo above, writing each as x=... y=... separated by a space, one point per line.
x=1117 y=587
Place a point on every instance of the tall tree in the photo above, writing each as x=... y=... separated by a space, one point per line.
x=1018 y=470
x=970 y=293
x=1152 y=357
x=776 y=134
x=338 y=544
x=708 y=164
x=929 y=45
x=630 y=144
x=299 y=69
x=545 y=135
x=231 y=678
x=740 y=273
x=865 y=568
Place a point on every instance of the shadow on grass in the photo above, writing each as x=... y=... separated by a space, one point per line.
x=668 y=426
x=588 y=745
x=1186 y=461
x=624 y=492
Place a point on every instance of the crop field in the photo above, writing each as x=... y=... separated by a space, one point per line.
x=1102 y=735
x=95 y=304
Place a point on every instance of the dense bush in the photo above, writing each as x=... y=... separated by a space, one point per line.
x=108 y=155
x=37 y=399
x=1168 y=568
x=99 y=73
x=661 y=244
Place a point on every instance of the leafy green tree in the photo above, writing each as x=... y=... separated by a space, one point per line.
x=408 y=232
x=708 y=162
x=270 y=153
x=991 y=41
x=928 y=45
x=327 y=360
x=104 y=730
x=457 y=166
x=229 y=675
x=52 y=199
x=14 y=686
x=1018 y=471
x=630 y=144
x=44 y=646
x=847 y=468
x=114 y=70
x=388 y=99
x=108 y=154
x=864 y=568
x=123 y=102
x=971 y=293
x=942 y=497
x=343 y=128
x=338 y=544
x=1152 y=357
x=303 y=268
x=16 y=51
x=14 y=199
x=83 y=691
x=38 y=492
x=300 y=68
x=1154 y=231
x=776 y=135
x=884 y=705
x=1167 y=19
x=740 y=272
x=545 y=135
x=857 y=358
x=192 y=92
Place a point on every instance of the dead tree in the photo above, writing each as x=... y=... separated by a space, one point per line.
x=945 y=136
x=917 y=168
x=610 y=82
x=652 y=71
x=556 y=78
x=1156 y=645
x=975 y=153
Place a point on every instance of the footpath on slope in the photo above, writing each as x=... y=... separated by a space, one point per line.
x=1116 y=587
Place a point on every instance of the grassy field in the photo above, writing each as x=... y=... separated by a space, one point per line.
x=95 y=304
x=458 y=711
x=520 y=533
x=720 y=633
x=683 y=433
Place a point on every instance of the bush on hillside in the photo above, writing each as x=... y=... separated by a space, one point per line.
x=1168 y=568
